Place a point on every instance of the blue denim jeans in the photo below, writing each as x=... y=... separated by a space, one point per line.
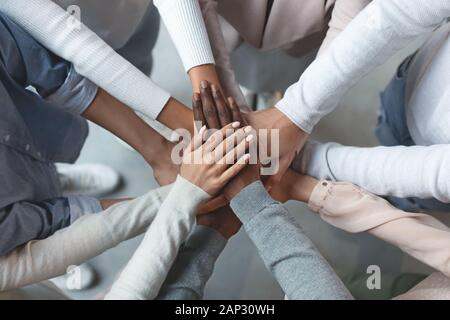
x=392 y=130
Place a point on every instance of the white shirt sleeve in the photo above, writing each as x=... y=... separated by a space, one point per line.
x=147 y=270
x=184 y=21
x=383 y=28
x=92 y=58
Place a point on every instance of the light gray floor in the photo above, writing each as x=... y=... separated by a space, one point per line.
x=240 y=274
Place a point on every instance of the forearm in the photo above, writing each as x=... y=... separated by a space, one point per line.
x=145 y=273
x=224 y=70
x=352 y=209
x=91 y=56
x=88 y=237
x=185 y=24
x=387 y=171
x=287 y=252
x=194 y=266
x=370 y=39
x=123 y=122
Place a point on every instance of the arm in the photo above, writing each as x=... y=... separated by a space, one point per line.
x=344 y=12
x=194 y=266
x=144 y=274
x=200 y=178
x=33 y=220
x=287 y=252
x=88 y=237
x=195 y=262
x=352 y=209
x=398 y=171
x=221 y=53
x=370 y=39
x=92 y=57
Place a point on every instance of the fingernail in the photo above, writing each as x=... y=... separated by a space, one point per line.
x=202 y=130
x=246 y=158
x=247 y=129
x=204 y=84
x=236 y=124
x=250 y=138
x=196 y=97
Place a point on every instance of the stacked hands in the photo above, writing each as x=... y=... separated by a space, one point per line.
x=221 y=159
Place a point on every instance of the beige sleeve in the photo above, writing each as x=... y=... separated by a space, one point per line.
x=221 y=52
x=354 y=210
x=88 y=237
x=343 y=13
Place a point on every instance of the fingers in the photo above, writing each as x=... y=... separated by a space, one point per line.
x=197 y=108
x=219 y=136
x=209 y=108
x=223 y=111
x=238 y=151
x=230 y=143
x=231 y=172
x=236 y=112
x=197 y=141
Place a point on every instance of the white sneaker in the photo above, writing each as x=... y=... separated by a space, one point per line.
x=77 y=278
x=87 y=179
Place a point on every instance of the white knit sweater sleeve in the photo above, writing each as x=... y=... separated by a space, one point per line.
x=87 y=237
x=184 y=21
x=91 y=56
x=384 y=27
x=147 y=270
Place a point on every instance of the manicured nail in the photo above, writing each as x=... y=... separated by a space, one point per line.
x=250 y=138
x=246 y=158
x=248 y=129
x=197 y=97
x=204 y=84
x=202 y=130
x=236 y=124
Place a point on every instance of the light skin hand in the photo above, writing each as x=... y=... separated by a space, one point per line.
x=291 y=139
x=294 y=186
x=209 y=165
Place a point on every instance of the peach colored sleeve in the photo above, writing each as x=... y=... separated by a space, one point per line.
x=354 y=210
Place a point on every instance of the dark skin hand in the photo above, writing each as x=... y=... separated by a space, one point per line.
x=222 y=220
x=211 y=109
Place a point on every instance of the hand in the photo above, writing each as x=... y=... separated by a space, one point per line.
x=211 y=109
x=291 y=139
x=211 y=165
x=222 y=220
x=294 y=186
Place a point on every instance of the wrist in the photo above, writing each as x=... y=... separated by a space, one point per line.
x=204 y=72
x=176 y=115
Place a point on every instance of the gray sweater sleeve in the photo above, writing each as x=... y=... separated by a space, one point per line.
x=287 y=252
x=194 y=265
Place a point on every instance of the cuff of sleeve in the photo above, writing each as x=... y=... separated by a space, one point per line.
x=82 y=205
x=184 y=20
x=250 y=201
x=319 y=196
x=75 y=95
x=185 y=195
x=288 y=110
